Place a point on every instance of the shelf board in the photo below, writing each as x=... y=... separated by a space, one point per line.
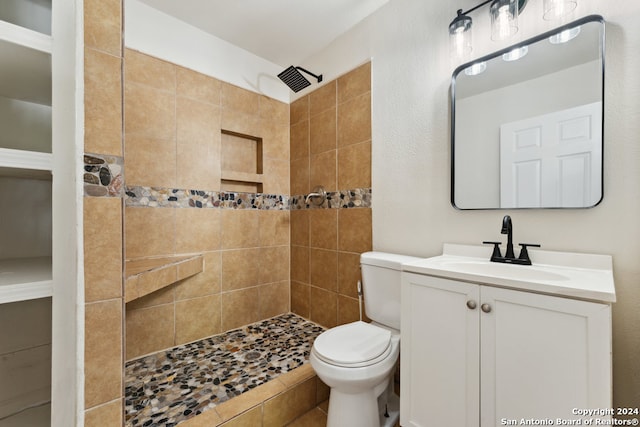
x=28 y=160
x=144 y=276
x=26 y=64
x=254 y=178
x=25 y=278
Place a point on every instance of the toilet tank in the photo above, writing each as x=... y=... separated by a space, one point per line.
x=381 y=286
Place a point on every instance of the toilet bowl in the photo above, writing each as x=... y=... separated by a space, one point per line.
x=358 y=360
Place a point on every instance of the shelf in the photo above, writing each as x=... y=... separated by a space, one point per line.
x=20 y=159
x=144 y=276
x=253 y=178
x=25 y=279
x=26 y=64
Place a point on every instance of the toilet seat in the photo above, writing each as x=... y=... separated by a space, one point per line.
x=353 y=345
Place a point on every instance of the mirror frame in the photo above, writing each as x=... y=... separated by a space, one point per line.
x=545 y=35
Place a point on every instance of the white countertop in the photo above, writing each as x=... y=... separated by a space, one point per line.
x=573 y=275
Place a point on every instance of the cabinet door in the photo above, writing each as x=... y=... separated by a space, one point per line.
x=542 y=356
x=439 y=353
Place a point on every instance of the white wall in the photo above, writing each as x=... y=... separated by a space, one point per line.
x=162 y=36
x=411 y=70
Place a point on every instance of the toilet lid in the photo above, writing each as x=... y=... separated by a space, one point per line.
x=353 y=344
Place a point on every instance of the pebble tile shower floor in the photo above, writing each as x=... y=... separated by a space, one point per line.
x=170 y=386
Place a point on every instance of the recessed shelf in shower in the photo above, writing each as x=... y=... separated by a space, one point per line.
x=241 y=162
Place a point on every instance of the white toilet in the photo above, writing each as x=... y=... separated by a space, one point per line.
x=358 y=360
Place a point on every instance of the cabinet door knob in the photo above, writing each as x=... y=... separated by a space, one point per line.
x=486 y=308
x=471 y=304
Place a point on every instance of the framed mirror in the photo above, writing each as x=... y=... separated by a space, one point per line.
x=527 y=123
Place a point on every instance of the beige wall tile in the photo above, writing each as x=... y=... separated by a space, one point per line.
x=298 y=375
x=103 y=352
x=354 y=230
x=314 y=418
x=300 y=227
x=197 y=230
x=323 y=170
x=103 y=103
x=149 y=112
x=322 y=132
x=237 y=121
x=354 y=83
x=354 y=120
x=197 y=318
x=149 y=330
x=275 y=140
x=150 y=162
x=159 y=297
x=300 y=295
x=300 y=176
x=240 y=308
x=240 y=100
x=192 y=84
x=299 y=140
x=354 y=166
x=154 y=280
x=248 y=400
x=149 y=232
x=198 y=144
x=240 y=269
x=240 y=229
x=300 y=263
x=348 y=310
x=273 y=226
x=322 y=99
x=289 y=405
x=276 y=176
x=274 y=110
x=109 y=414
x=323 y=307
x=240 y=153
x=323 y=268
x=149 y=71
x=250 y=418
x=299 y=110
x=206 y=283
x=274 y=264
x=103 y=25
x=274 y=299
x=102 y=248
x=348 y=273
x=323 y=227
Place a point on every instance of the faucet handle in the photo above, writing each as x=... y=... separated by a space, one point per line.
x=496 y=250
x=524 y=253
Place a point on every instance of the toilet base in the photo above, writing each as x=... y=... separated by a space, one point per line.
x=393 y=410
x=371 y=408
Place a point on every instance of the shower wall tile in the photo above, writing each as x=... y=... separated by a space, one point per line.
x=240 y=100
x=300 y=263
x=348 y=310
x=322 y=131
x=323 y=170
x=323 y=269
x=323 y=98
x=348 y=273
x=299 y=140
x=276 y=176
x=323 y=230
x=300 y=227
x=240 y=269
x=149 y=112
x=197 y=230
x=274 y=111
x=149 y=71
x=240 y=308
x=299 y=110
x=354 y=166
x=300 y=176
x=102 y=236
x=149 y=232
x=150 y=161
x=240 y=229
x=354 y=120
x=197 y=318
x=273 y=227
x=354 y=230
x=274 y=264
x=289 y=405
x=103 y=103
x=275 y=140
x=103 y=352
x=160 y=297
x=300 y=299
x=102 y=25
x=324 y=307
x=149 y=329
x=209 y=282
x=109 y=414
x=354 y=83
x=274 y=299
x=191 y=84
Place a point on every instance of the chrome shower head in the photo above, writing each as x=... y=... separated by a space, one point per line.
x=295 y=80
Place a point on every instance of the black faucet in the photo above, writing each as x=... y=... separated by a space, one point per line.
x=510 y=257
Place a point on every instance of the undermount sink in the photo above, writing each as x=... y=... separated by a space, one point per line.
x=574 y=275
x=518 y=272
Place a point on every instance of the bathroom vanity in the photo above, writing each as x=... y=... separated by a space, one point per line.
x=484 y=343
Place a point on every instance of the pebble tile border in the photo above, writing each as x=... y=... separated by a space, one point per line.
x=103 y=175
x=171 y=386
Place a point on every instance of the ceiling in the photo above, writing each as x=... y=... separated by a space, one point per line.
x=284 y=32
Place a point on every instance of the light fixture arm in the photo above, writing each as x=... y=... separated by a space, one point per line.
x=521 y=5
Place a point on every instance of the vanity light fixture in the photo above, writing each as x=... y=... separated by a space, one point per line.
x=504 y=23
x=556 y=9
x=475 y=68
x=565 y=36
x=515 y=54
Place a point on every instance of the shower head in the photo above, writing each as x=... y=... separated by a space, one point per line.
x=295 y=80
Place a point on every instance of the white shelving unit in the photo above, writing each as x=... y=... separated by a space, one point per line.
x=26 y=164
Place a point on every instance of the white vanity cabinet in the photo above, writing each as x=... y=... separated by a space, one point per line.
x=480 y=355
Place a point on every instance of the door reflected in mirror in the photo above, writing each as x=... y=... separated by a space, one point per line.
x=527 y=123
